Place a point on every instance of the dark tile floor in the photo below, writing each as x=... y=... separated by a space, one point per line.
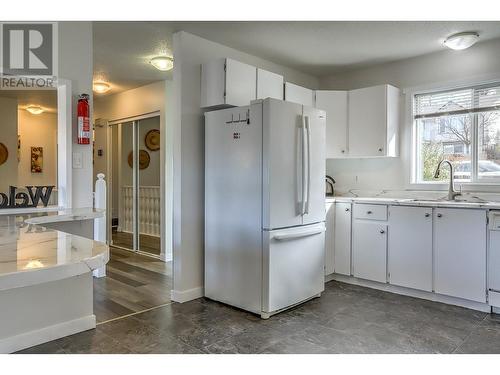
x=346 y=319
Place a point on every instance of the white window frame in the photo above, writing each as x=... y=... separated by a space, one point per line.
x=410 y=138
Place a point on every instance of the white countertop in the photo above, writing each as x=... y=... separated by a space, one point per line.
x=468 y=202
x=31 y=254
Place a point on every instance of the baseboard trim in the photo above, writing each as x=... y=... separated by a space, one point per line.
x=46 y=334
x=484 y=307
x=182 y=296
x=166 y=257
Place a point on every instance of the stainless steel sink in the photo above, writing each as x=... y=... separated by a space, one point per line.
x=444 y=200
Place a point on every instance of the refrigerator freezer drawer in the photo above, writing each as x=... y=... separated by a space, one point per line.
x=494 y=298
x=293 y=265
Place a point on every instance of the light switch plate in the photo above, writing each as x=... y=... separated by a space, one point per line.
x=77 y=160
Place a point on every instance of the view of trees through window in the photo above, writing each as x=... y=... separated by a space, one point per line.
x=454 y=126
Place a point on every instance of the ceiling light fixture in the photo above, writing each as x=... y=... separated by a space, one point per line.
x=162 y=63
x=101 y=87
x=34 y=109
x=461 y=40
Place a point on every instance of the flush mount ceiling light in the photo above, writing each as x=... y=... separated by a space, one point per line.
x=461 y=40
x=101 y=87
x=162 y=63
x=34 y=109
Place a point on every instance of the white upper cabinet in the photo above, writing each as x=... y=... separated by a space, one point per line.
x=299 y=94
x=269 y=85
x=373 y=121
x=335 y=105
x=227 y=82
x=460 y=253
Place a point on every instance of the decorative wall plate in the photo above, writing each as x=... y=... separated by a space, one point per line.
x=152 y=140
x=144 y=159
x=4 y=153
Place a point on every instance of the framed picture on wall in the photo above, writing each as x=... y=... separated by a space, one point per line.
x=36 y=159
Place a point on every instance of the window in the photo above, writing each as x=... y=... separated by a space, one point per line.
x=462 y=126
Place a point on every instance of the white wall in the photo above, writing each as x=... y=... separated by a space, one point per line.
x=480 y=62
x=187 y=119
x=76 y=64
x=141 y=100
x=37 y=131
x=8 y=136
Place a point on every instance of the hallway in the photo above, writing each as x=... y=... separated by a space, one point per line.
x=133 y=283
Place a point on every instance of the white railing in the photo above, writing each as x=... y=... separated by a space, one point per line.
x=149 y=210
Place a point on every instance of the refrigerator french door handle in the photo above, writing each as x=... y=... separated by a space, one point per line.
x=291 y=236
x=304 y=181
x=308 y=131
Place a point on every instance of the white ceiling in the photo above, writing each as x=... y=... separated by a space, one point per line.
x=122 y=49
x=47 y=99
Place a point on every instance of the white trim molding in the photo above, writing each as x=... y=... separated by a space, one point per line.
x=182 y=296
x=64 y=143
x=410 y=292
x=46 y=334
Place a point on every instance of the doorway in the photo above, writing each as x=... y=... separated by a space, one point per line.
x=135 y=194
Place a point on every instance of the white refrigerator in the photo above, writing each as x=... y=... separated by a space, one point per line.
x=264 y=205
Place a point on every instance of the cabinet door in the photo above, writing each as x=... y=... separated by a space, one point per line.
x=213 y=81
x=369 y=250
x=342 y=238
x=367 y=121
x=329 y=223
x=410 y=247
x=335 y=105
x=240 y=83
x=460 y=253
x=269 y=85
x=298 y=94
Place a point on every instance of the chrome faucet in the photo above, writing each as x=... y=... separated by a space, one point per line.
x=451 y=190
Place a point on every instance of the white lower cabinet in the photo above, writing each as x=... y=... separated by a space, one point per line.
x=432 y=249
x=369 y=250
x=410 y=247
x=460 y=253
x=342 y=239
x=329 y=235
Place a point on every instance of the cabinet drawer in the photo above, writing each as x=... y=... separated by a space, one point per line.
x=370 y=211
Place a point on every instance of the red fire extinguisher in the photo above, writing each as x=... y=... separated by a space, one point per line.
x=83 y=120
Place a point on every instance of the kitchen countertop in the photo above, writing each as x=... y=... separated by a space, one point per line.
x=31 y=254
x=423 y=202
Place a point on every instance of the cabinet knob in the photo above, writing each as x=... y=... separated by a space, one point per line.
x=369 y=212
x=382 y=231
x=380 y=149
x=427 y=214
x=346 y=210
x=439 y=215
x=343 y=151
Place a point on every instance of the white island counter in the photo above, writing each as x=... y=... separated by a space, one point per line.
x=45 y=278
